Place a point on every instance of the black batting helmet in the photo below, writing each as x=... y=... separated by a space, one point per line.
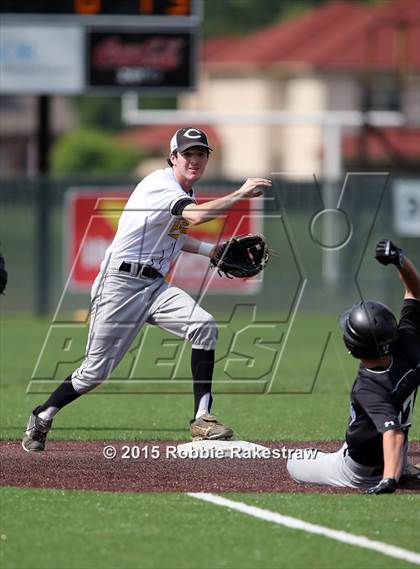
x=369 y=328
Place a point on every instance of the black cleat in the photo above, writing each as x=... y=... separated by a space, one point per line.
x=36 y=434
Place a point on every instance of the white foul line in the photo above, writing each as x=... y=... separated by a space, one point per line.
x=294 y=523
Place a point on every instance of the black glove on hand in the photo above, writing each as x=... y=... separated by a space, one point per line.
x=385 y=486
x=387 y=253
x=241 y=256
x=3 y=274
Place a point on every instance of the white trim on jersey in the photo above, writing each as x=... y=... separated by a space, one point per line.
x=378 y=371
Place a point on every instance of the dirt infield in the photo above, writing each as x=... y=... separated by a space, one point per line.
x=150 y=467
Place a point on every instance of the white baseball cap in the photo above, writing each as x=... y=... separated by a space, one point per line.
x=186 y=137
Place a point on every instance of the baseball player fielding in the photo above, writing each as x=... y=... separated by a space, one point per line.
x=131 y=290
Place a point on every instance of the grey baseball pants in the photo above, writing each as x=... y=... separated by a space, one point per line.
x=121 y=305
x=335 y=469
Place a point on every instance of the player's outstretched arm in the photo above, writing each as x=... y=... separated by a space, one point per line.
x=192 y=245
x=393 y=445
x=411 y=280
x=387 y=253
x=197 y=214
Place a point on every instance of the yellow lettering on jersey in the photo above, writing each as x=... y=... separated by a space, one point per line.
x=213 y=227
x=179 y=226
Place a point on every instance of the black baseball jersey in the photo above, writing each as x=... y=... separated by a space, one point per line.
x=383 y=399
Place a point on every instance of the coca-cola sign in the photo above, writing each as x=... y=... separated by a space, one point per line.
x=146 y=60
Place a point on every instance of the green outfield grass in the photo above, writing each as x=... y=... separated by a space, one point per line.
x=69 y=529
x=121 y=414
x=52 y=528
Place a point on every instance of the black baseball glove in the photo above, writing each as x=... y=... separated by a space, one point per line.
x=243 y=256
x=3 y=274
x=385 y=486
x=389 y=254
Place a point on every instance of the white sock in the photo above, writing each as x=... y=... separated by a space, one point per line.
x=203 y=406
x=49 y=413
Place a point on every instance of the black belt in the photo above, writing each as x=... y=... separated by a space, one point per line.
x=143 y=271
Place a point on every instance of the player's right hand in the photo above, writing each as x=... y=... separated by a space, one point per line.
x=385 y=486
x=387 y=253
x=253 y=187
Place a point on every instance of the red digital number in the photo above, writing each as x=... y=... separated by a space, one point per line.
x=145 y=6
x=174 y=8
x=178 y=7
x=87 y=6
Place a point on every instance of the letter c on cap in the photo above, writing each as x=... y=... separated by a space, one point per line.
x=188 y=132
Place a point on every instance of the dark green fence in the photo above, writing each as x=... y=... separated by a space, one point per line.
x=32 y=226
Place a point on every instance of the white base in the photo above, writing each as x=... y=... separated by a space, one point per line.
x=222 y=449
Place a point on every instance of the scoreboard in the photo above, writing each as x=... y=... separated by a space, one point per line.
x=108 y=46
x=167 y=8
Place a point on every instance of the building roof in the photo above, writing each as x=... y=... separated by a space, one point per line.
x=381 y=143
x=156 y=138
x=337 y=35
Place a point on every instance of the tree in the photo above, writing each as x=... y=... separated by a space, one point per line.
x=99 y=112
x=104 y=113
x=92 y=152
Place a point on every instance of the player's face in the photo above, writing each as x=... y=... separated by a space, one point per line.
x=189 y=165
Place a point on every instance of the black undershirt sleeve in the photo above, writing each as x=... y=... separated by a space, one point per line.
x=179 y=206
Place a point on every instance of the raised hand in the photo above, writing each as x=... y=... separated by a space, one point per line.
x=387 y=253
x=254 y=187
